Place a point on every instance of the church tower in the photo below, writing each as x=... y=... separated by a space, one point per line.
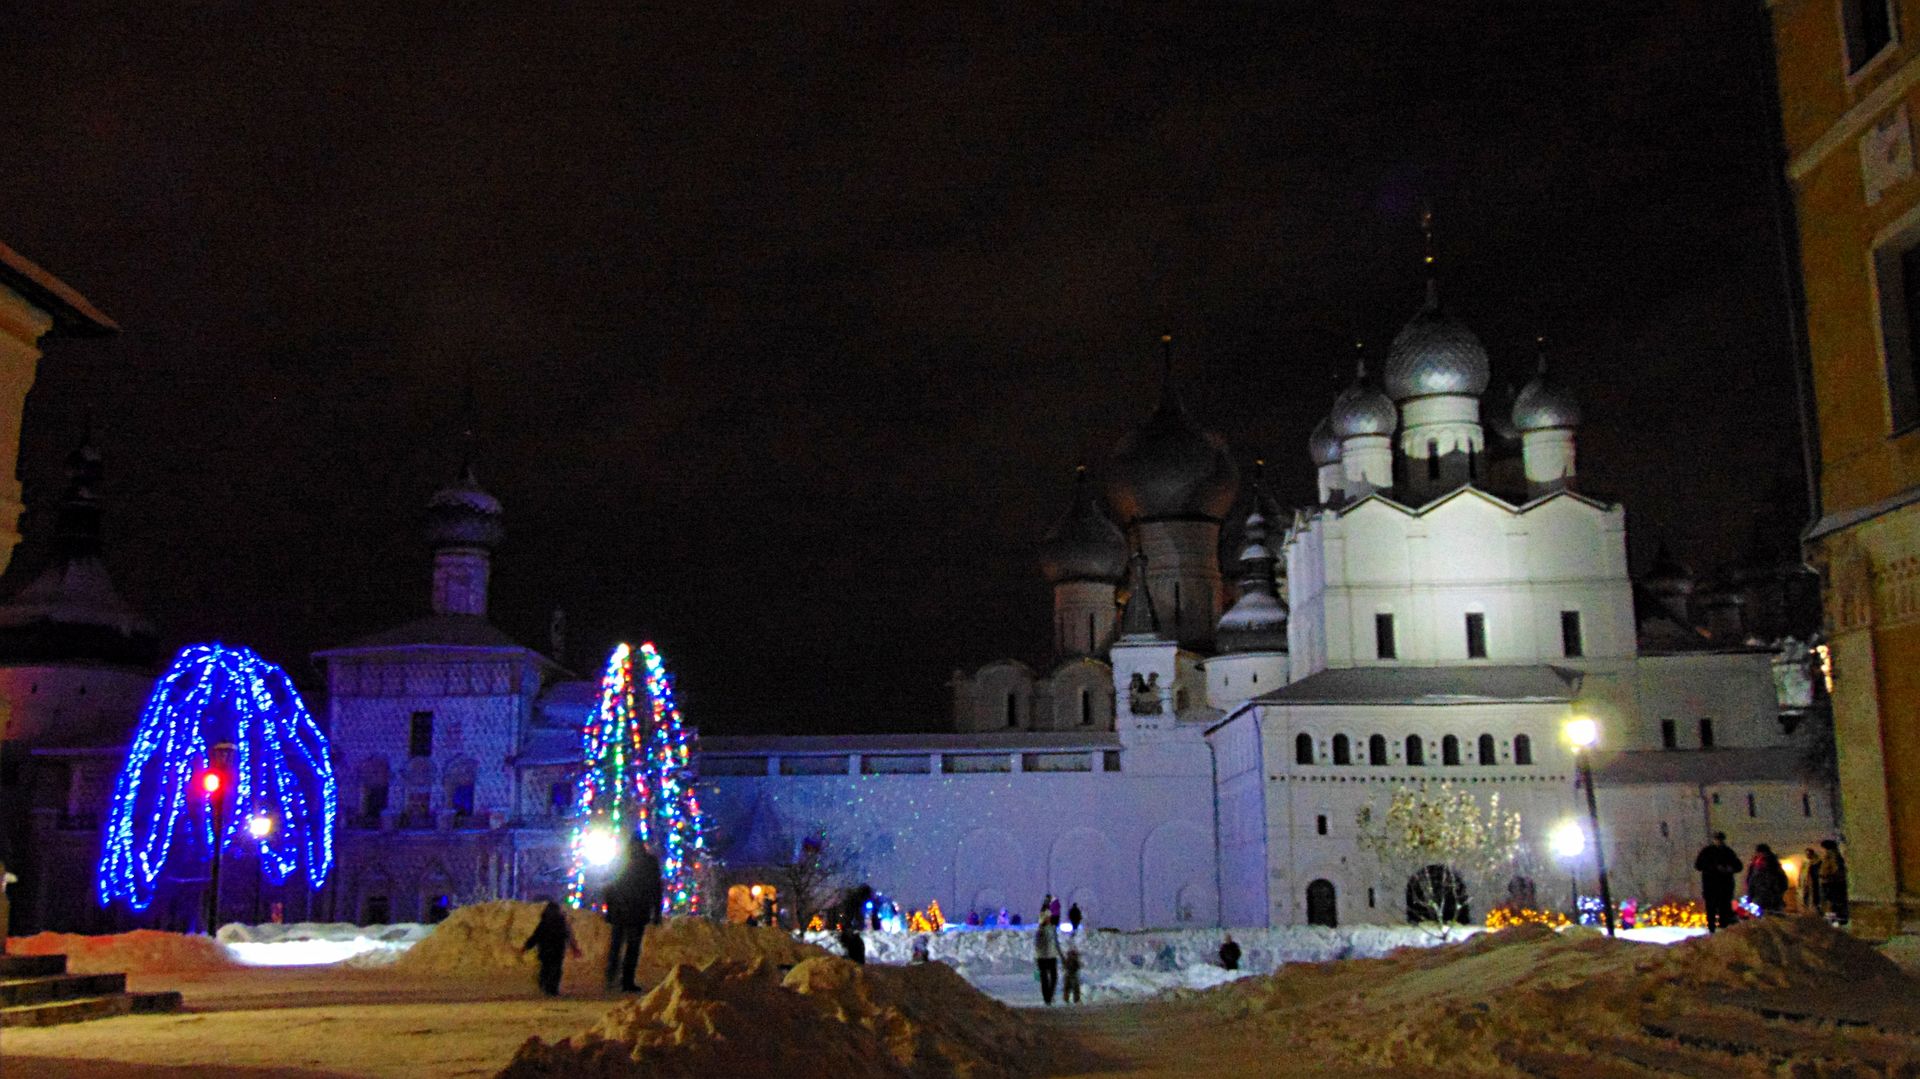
x=1436 y=371
x=1083 y=558
x=1546 y=415
x=1172 y=483
x=463 y=527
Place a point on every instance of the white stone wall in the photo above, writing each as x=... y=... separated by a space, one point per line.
x=56 y=704
x=1734 y=690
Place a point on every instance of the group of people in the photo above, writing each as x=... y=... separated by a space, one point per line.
x=633 y=902
x=1823 y=881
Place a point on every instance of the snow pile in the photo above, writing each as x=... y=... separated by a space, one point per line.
x=142 y=951
x=825 y=1017
x=486 y=939
x=1529 y=1000
x=1135 y=984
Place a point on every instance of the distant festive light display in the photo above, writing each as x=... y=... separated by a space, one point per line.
x=638 y=780
x=169 y=791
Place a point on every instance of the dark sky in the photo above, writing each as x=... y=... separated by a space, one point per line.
x=788 y=328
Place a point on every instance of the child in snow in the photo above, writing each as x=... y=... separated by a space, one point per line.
x=554 y=940
x=1070 y=963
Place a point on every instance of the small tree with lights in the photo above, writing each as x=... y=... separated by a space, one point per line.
x=816 y=869
x=1437 y=838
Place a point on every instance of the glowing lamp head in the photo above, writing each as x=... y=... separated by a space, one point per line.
x=1568 y=840
x=260 y=825
x=210 y=783
x=1583 y=732
x=600 y=847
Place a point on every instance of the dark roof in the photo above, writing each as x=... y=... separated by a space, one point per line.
x=70 y=612
x=435 y=631
x=71 y=312
x=1430 y=686
x=1696 y=766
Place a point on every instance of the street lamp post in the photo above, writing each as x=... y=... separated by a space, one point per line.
x=215 y=783
x=1584 y=733
x=1569 y=842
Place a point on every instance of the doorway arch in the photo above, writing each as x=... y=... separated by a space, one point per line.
x=1322 y=904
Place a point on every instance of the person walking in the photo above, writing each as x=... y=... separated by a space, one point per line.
x=1053 y=908
x=853 y=916
x=1046 y=956
x=1767 y=881
x=1717 y=864
x=553 y=940
x=1070 y=965
x=1230 y=954
x=1073 y=918
x=633 y=901
x=1808 y=889
x=1833 y=880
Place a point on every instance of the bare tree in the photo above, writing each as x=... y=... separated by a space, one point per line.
x=816 y=869
x=1438 y=838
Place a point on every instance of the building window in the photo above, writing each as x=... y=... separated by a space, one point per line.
x=1522 y=749
x=1706 y=734
x=1320 y=824
x=1476 y=635
x=462 y=798
x=373 y=799
x=560 y=797
x=1487 y=754
x=1669 y=737
x=1663 y=829
x=1013 y=711
x=1086 y=708
x=1342 y=750
x=1377 y=750
x=1868 y=25
x=1752 y=810
x=1369 y=897
x=1303 y=749
x=1416 y=752
x=1383 y=645
x=1176 y=608
x=1090 y=645
x=420 y=735
x=1570 y=643
x=1433 y=459
x=1897 y=278
x=1449 y=750
x=1806 y=804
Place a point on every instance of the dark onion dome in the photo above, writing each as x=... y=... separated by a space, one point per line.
x=1257 y=621
x=1544 y=404
x=1085 y=544
x=1435 y=353
x=1361 y=409
x=1170 y=467
x=1322 y=445
x=462 y=514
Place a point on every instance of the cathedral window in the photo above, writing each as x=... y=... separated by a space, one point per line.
x=1806 y=804
x=1013 y=710
x=1487 y=754
x=1377 y=750
x=1342 y=750
x=1752 y=809
x=1320 y=824
x=560 y=798
x=1433 y=459
x=1476 y=635
x=373 y=800
x=1383 y=642
x=1669 y=736
x=1897 y=278
x=1570 y=644
x=420 y=735
x=1176 y=608
x=1091 y=646
x=1303 y=749
x=1663 y=830
x=461 y=796
x=1449 y=750
x=1522 y=749
x=1868 y=25
x=1416 y=751
x=1086 y=708
x=1706 y=734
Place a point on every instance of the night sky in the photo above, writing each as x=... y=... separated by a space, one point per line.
x=787 y=329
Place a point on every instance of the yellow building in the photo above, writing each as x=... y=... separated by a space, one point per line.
x=1849 y=81
x=33 y=304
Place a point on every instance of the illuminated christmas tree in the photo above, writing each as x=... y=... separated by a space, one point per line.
x=173 y=804
x=638 y=780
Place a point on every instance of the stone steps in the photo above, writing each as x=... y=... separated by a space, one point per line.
x=37 y=991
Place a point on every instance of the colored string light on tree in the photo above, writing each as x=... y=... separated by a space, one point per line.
x=169 y=792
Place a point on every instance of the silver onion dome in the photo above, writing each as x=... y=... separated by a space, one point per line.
x=1435 y=353
x=1361 y=409
x=1085 y=544
x=463 y=514
x=1322 y=443
x=1543 y=404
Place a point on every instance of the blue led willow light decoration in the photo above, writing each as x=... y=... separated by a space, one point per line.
x=212 y=694
x=638 y=781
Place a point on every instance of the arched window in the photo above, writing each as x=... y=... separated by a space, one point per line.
x=1522 y=749
x=1086 y=708
x=1342 y=750
x=1449 y=750
x=1013 y=710
x=1322 y=908
x=1377 y=750
x=1487 y=755
x=1416 y=752
x=1303 y=749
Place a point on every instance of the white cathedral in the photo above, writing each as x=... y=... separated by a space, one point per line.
x=1441 y=613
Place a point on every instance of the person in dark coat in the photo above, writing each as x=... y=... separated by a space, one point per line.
x=1073 y=917
x=1767 y=881
x=550 y=942
x=1833 y=880
x=1717 y=865
x=633 y=901
x=1230 y=954
x=853 y=915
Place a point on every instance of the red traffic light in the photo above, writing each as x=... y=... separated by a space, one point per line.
x=210 y=782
